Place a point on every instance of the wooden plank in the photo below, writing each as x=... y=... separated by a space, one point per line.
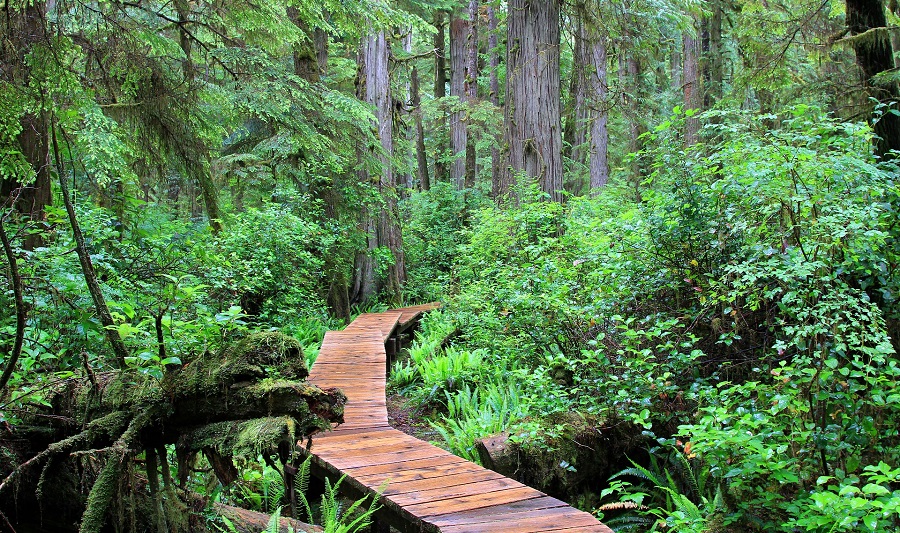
x=518 y=510
x=541 y=520
x=455 y=492
x=344 y=463
x=467 y=503
x=428 y=478
x=356 y=446
x=580 y=522
x=412 y=464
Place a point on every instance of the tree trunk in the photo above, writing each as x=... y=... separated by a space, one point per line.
x=693 y=90
x=532 y=118
x=675 y=67
x=715 y=60
x=630 y=76
x=471 y=90
x=362 y=287
x=495 y=95
x=320 y=41
x=421 y=156
x=210 y=195
x=599 y=114
x=306 y=57
x=378 y=93
x=459 y=29
x=440 y=91
x=874 y=56
x=220 y=404
x=24 y=28
x=408 y=133
x=310 y=62
x=577 y=125
x=15 y=281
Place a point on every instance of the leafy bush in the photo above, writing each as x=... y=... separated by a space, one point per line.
x=743 y=307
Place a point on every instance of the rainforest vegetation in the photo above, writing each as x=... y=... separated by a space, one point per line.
x=665 y=234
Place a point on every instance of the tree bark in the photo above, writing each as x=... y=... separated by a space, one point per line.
x=409 y=133
x=471 y=90
x=440 y=91
x=577 y=123
x=874 y=55
x=495 y=95
x=693 y=90
x=378 y=93
x=599 y=114
x=25 y=27
x=15 y=281
x=421 y=156
x=532 y=119
x=306 y=58
x=220 y=404
x=362 y=287
x=459 y=29
x=630 y=78
x=714 y=59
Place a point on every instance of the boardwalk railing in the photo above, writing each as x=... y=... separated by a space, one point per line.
x=428 y=489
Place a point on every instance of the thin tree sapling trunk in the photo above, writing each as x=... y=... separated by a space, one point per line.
x=87 y=267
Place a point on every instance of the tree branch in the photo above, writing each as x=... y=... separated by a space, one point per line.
x=21 y=314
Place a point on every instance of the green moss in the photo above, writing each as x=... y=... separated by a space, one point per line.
x=255 y=357
x=101 y=496
x=241 y=438
x=131 y=388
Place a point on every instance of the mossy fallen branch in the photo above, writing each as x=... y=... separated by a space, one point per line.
x=249 y=399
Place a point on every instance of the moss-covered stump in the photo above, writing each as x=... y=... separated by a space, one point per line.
x=573 y=465
x=247 y=400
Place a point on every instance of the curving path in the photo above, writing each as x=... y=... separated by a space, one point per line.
x=428 y=489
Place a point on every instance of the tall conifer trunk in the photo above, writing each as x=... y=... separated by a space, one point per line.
x=440 y=91
x=599 y=115
x=378 y=93
x=26 y=28
x=693 y=86
x=495 y=95
x=532 y=119
x=459 y=29
x=471 y=90
x=576 y=131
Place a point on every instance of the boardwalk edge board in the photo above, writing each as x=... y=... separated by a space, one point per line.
x=431 y=493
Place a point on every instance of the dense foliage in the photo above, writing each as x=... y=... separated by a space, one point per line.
x=740 y=315
x=701 y=336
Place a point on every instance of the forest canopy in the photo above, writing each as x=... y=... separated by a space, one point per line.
x=664 y=232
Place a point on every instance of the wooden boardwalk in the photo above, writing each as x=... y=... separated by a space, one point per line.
x=428 y=489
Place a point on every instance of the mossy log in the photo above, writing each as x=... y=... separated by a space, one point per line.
x=245 y=521
x=249 y=399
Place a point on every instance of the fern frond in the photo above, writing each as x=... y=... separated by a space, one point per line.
x=274 y=525
x=621 y=506
x=640 y=472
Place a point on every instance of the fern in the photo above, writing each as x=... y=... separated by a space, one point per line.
x=274 y=525
x=333 y=517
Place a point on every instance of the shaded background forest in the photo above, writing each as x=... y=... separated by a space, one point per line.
x=664 y=230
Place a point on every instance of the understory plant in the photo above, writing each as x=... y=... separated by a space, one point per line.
x=746 y=308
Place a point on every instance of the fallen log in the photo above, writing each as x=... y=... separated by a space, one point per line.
x=84 y=450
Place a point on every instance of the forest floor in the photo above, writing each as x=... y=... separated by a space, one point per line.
x=409 y=419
